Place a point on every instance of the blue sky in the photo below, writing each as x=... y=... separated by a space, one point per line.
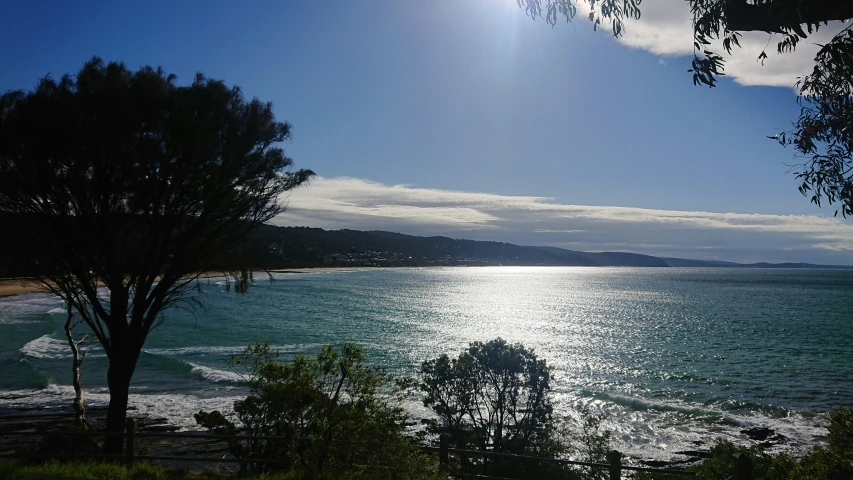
x=470 y=96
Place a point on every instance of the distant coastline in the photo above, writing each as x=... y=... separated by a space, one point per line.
x=300 y=249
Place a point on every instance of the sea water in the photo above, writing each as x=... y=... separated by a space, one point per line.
x=669 y=358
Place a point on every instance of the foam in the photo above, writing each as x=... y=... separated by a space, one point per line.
x=657 y=430
x=216 y=376
x=46 y=347
x=198 y=350
x=49 y=347
x=26 y=308
x=177 y=409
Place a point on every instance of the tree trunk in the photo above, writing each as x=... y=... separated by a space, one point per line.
x=78 y=405
x=118 y=381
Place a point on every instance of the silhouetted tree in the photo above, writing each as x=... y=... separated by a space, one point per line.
x=124 y=180
x=494 y=397
x=823 y=133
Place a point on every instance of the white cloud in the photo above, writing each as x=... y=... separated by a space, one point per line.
x=665 y=28
x=336 y=203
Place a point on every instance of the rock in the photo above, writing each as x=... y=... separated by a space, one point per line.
x=695 y=453
x=758 y=434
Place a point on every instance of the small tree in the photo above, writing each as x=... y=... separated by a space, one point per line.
x=493 y=397
x=331 y=412
x=79 y=405
x=127 y=181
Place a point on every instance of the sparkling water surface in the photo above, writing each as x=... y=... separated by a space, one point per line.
x=669 y=357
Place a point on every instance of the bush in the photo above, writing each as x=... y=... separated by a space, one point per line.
x=495 y=397
x=330 y=413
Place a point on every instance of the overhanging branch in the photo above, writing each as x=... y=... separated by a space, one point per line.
x=743 y=17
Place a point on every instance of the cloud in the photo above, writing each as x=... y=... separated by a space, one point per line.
x=665 y=28
x=337 y=203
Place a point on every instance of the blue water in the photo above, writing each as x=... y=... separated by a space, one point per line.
x=668 y=357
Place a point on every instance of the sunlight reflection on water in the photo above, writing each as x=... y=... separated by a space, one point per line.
x=667 y=356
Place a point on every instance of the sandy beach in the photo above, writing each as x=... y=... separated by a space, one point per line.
x=9 y=287
x=17 y=287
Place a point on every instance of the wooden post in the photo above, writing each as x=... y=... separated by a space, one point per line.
x=130 y=441
x=614 y=458
x=442 y=452
x=742 y=467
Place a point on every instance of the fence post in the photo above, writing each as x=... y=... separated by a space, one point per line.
x=442 y=452
x=742 y=467
x=614 y=458
x=130 y=443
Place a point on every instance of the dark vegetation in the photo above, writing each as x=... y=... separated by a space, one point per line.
x=340 y=418
x=123 y=179
x=496 y=397
x=334 y=412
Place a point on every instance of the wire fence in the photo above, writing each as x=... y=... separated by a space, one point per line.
x=613 y=469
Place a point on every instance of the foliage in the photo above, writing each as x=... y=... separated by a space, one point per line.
x=126 y=180
x=823 y=133
x=94 y=470
x=494 y=397
x=330 y=411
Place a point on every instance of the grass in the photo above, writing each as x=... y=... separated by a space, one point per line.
x=103 y=471
x=94 y=470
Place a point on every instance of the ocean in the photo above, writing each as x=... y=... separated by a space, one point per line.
x=669 y=358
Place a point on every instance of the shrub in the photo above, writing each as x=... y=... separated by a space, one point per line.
x=330 y=413
x=495 y=397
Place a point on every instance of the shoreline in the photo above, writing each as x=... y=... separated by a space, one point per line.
x=10 y=287
x=38 y=422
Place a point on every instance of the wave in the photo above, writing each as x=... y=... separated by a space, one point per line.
x=26 y=308
x=199 y=350
x=640 y=404
x=165 y=359
x=177 y=409
x=49 y=347
x=216 y=376
x=46 y=347
x=645 y=429
x=698 y=412
x=57 y=311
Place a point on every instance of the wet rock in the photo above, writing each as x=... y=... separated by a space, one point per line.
x=759 y=434
x=695 y=453
x=766 y=436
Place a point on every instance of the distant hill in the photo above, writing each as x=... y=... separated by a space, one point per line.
x=684 y=262
x=274 y=247
x=306 y=247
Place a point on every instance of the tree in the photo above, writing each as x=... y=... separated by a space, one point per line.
x=79 y=405
x=330 y=413
x=823 y=133
x=126 y=181
x=493 y=397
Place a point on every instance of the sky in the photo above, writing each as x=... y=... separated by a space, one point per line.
x=468 y=119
